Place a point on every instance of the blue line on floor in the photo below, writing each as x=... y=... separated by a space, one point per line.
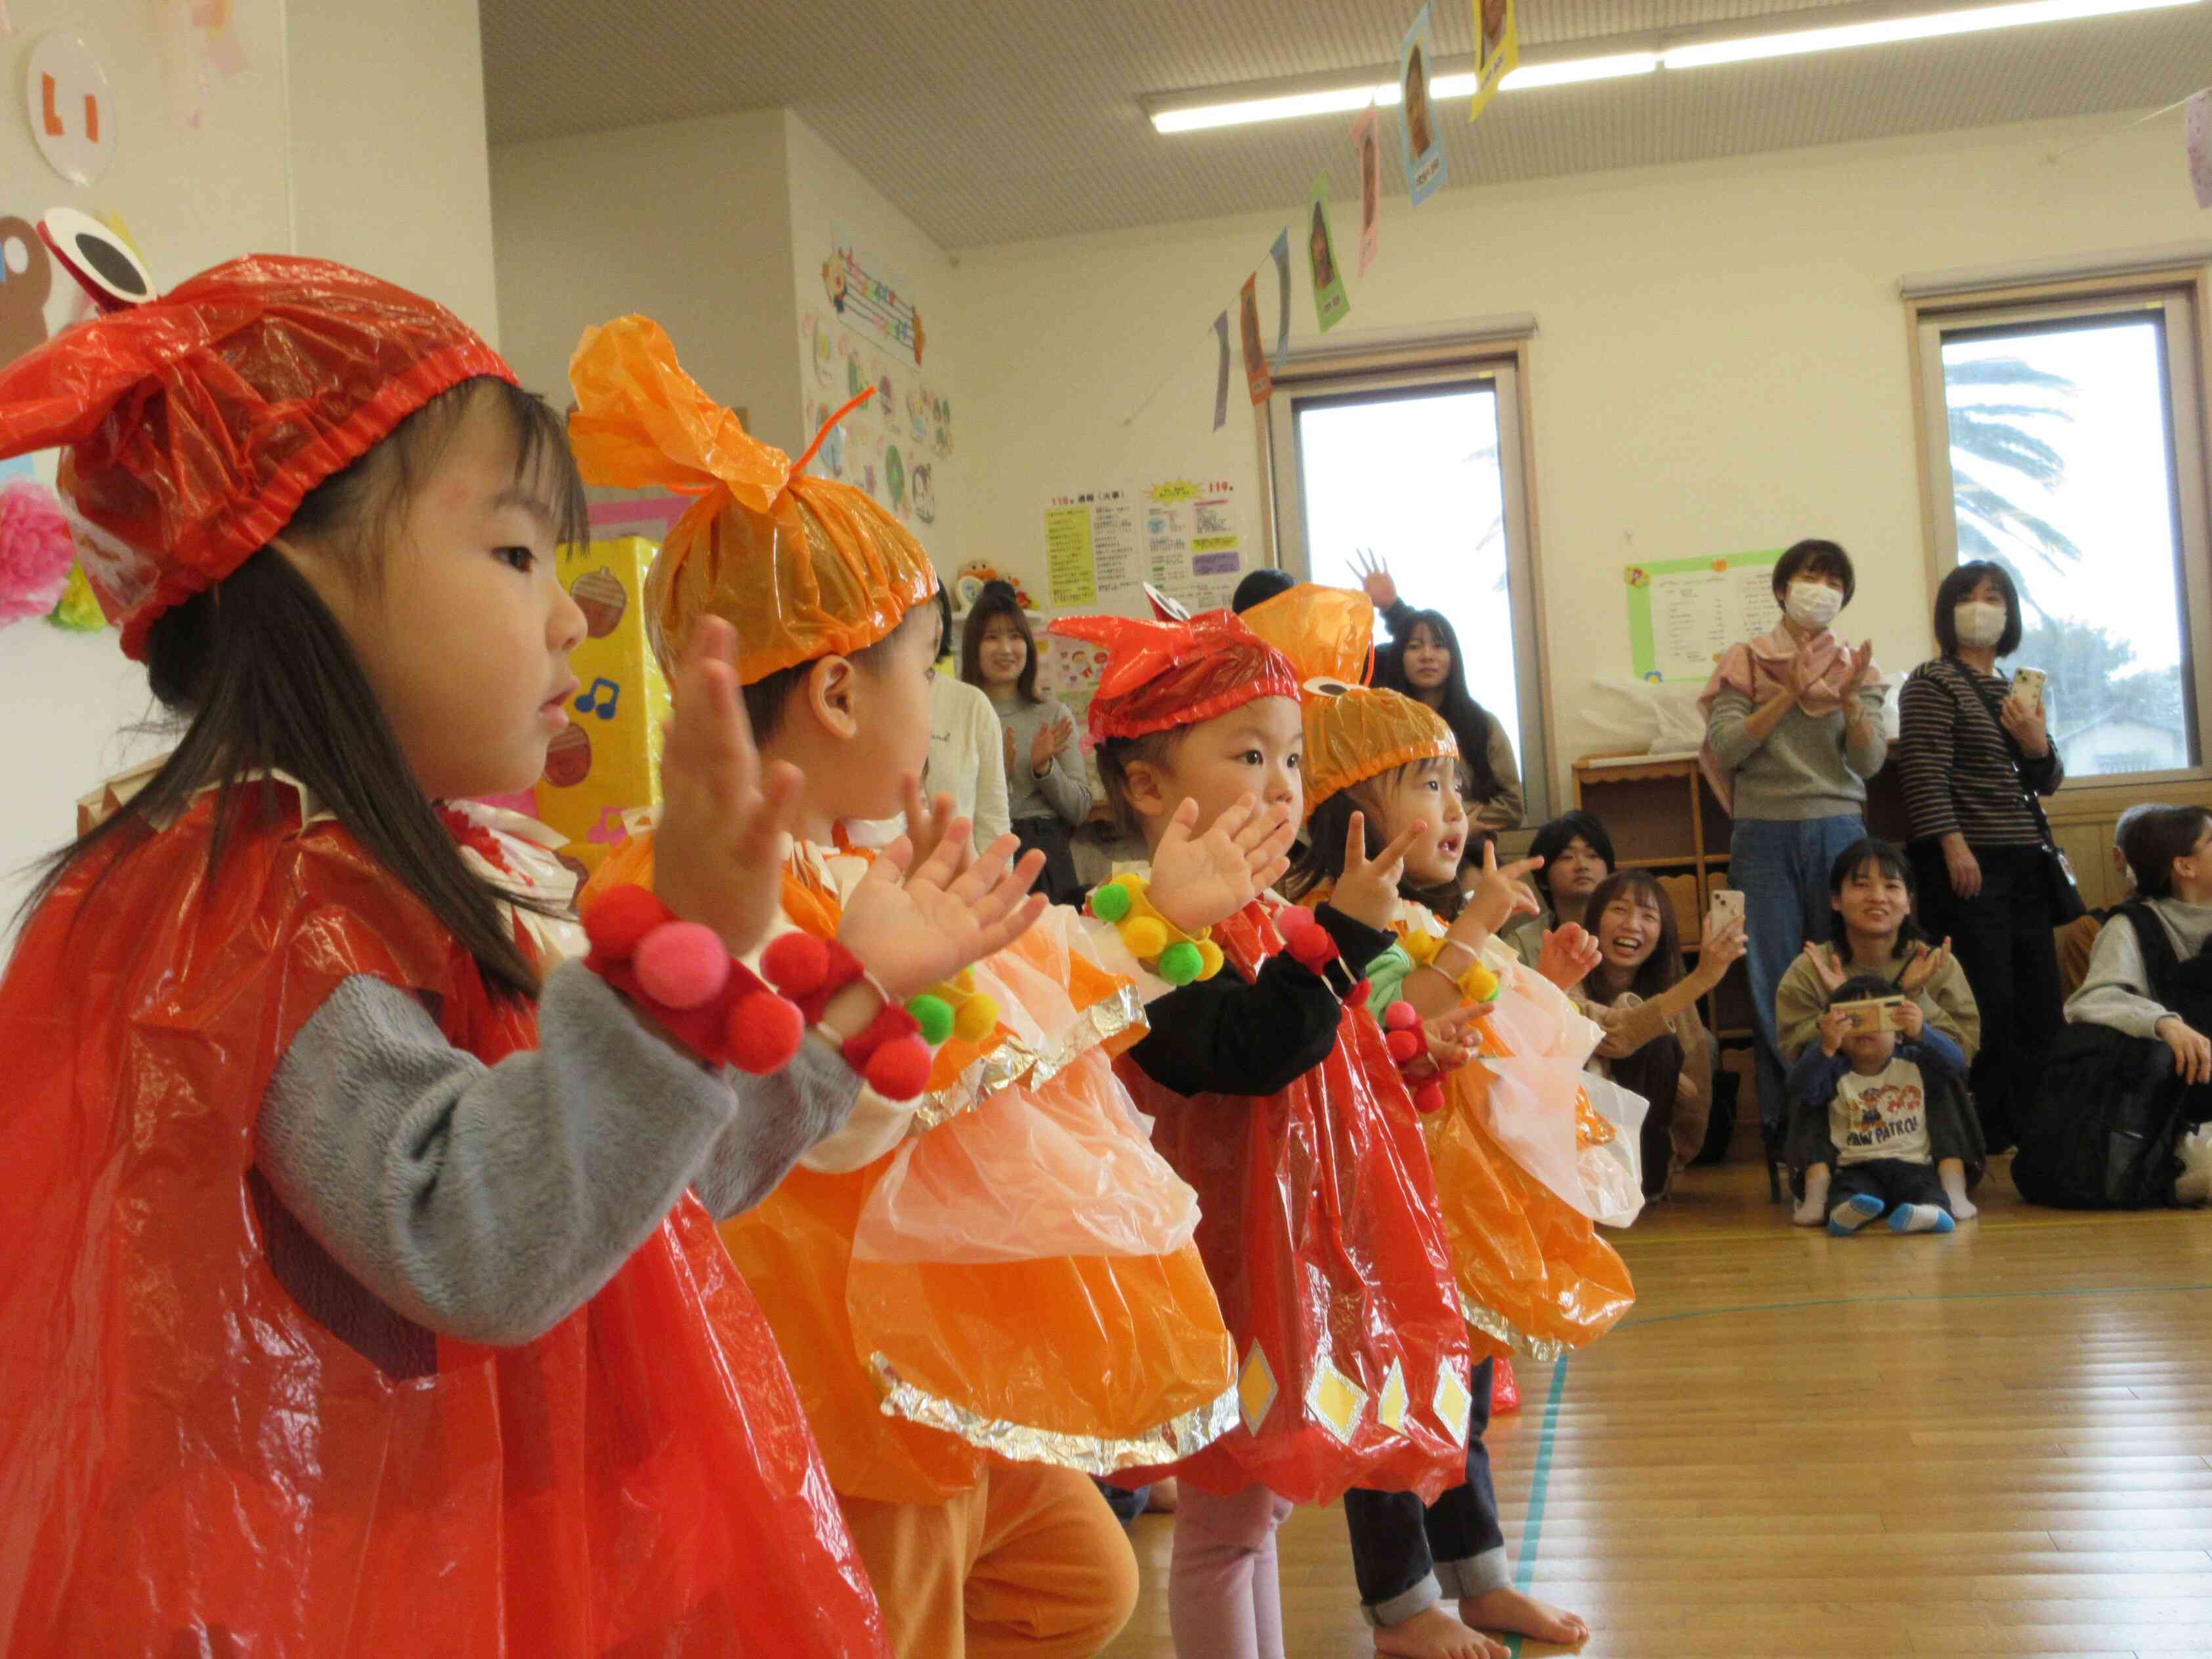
x=1532 y=1525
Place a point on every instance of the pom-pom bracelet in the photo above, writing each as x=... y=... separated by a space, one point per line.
x=1163 y=948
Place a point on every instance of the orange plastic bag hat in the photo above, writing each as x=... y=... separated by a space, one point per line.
x=200 y=419
x=1354 y=732
x=802 y=568
x=1165 y=674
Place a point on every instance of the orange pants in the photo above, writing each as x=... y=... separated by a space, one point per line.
x=1031 y=1562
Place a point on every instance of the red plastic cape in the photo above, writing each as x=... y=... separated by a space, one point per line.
x=1166 y=674
x=1319 y=1226
x=190 y=1461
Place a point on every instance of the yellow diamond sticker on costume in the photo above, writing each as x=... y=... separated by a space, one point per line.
x=1390 y=1405
x=1337 y=1400
x=1256 y=1389
x=1453 y=1403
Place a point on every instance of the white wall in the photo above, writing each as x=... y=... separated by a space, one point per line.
x=688 y=222
x=388 y=149
x=831 y=205
x=193 y=198
x=1719 y=364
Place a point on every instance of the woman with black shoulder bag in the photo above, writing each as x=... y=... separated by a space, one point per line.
x=1974 y=756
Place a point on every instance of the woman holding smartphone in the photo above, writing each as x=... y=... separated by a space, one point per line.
x=1974 y=755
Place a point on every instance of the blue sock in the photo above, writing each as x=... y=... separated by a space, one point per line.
x=1920 y=1218
x=1853 y=1214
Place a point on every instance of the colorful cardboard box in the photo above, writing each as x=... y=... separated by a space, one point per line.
x=607 y=762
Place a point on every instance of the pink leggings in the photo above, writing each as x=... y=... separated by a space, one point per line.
x=1223 y=1600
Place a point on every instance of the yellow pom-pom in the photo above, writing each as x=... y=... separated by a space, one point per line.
x=1145 y=936
x=976 y=1019
x=1209 y=957
x=964 y=982
x=1479 y=982
x=1423 y=947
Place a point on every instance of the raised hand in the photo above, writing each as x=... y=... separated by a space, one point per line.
x=928 y=818
x=1200 y=880
x=1571 y=955
x=1829 y=966
x=1375 y=578
x=1498 y=894
x=1862 y=661
x=1922 y=969
x=913 y=927
x=1367 y=891
x=1835 y=1026
x=1048 y=741
x=2027 y=726
x=718 y=854
x=1722 y=943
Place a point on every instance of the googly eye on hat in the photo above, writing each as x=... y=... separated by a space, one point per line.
x=103 y=264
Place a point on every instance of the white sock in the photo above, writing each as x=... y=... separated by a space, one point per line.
x=2193 y=1186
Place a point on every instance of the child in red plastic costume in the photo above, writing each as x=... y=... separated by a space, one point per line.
x=1272 y=1094
x=351 y=1302
x=1504 y=1123
x=988 y=1293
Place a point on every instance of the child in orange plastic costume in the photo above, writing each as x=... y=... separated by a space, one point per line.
x=351 y=1299
x=1534 y=1278
x=990 y=1294
x=1271 y=1095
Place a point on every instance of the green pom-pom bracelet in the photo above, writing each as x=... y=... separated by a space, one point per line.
x=1111 y=902
x=1181 y=962
x=935 y=1015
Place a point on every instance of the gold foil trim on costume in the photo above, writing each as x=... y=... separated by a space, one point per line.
x=1165 y=1443
x=1498 y=1328
x=1014 y=1062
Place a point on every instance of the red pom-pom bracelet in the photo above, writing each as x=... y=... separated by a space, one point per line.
x=679 y=972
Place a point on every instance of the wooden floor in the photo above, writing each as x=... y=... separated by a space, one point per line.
x=1996 y=1442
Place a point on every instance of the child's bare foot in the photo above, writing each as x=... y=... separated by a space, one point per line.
x=1435 y=1634
x=1507 y=1609
x=1163 y=1498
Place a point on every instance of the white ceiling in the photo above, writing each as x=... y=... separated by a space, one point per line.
x=1000 y=120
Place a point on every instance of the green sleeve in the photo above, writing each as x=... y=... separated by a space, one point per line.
x=1387 y=974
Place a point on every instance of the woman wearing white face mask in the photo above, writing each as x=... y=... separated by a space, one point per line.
x=1972 y=757
x=1793 y=730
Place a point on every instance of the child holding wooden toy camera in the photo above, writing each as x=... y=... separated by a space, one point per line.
x=1873 y=1112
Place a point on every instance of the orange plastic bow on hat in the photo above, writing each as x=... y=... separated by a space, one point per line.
x=802 y=568
x=1166 y=674
x=200 y=419
x=1354 y=732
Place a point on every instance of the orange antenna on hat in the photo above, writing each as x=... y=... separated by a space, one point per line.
x=828 y=426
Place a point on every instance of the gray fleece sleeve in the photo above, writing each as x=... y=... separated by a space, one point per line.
x=2117 y=992
x=490 y=1202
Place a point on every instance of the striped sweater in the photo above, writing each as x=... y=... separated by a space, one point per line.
x=1957 y=764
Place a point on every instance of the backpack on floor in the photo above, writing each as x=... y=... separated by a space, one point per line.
x=2104 y=1127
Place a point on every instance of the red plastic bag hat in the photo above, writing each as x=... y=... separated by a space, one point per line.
x=198 y=421
x=1166 y=674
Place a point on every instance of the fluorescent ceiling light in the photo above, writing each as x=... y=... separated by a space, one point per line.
x=1931 y=25
x=1232 y=111
x=1333 y=100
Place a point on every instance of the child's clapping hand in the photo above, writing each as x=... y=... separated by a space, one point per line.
x=1571 y=955
x=1452 y=1036
x=718 y=853
x=1367 y=891
x=914 y=928
x=1198 y=880
x=927 y=819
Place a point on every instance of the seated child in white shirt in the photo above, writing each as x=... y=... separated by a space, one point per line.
x=1877 y=1090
